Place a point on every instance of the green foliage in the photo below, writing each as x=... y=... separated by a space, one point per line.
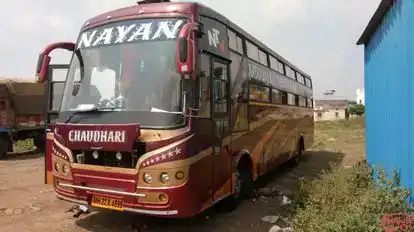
x=356 y=109
x=24 y=145
x=348 y=199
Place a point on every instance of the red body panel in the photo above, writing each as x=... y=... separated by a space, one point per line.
x=107 y=137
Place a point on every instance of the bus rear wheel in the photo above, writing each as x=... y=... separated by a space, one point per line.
x=299 y=153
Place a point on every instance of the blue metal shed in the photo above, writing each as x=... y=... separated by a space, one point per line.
x=389 y=88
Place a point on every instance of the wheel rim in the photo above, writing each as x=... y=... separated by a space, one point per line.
x=238 y=186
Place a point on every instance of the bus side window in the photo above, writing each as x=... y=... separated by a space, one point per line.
x=204 y=77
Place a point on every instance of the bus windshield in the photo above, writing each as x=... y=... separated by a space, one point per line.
x=126 y=66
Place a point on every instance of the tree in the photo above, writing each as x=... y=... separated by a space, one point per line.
x=356 y=109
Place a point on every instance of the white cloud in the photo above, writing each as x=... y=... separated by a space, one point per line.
x=317 y=35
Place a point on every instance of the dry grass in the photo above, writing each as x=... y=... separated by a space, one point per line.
x=342 y=136
x=346 y=198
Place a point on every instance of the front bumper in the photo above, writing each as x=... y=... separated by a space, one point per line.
x=180 y=203
x=134 y=210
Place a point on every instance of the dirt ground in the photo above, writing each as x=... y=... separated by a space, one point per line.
x=26 y=204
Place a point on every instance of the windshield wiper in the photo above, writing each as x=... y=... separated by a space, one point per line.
x=81 y=64
x=93 y=109
x=153 y=109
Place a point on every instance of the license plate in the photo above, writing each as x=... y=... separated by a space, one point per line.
x=107 y=203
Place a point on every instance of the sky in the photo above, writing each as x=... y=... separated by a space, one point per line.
x=318 y=36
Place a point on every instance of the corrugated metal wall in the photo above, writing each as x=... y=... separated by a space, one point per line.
x=389 y=90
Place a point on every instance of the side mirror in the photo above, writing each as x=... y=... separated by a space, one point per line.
x=186 y=56
x=42 y=67
x=44 y=59
x=186 y=50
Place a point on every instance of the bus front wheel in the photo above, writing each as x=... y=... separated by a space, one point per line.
x=298 y=154
x=243 y=188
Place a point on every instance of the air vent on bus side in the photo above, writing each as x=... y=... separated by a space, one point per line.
x=151 y=1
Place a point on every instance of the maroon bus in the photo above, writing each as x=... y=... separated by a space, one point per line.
x=168 y=108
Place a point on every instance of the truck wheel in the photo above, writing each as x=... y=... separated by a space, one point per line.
x=4 y=147
x=40 y=142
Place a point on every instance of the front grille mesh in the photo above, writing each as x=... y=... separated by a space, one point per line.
x=108 y=158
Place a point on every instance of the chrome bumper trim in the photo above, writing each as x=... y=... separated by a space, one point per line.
x=80 y=202
x=102 y=190
x=142 y=211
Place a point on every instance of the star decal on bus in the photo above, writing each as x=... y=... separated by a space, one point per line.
x=58 y=153
x=165 y=156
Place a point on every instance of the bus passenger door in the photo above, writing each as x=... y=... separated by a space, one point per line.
x=221 y=116
x=53 y=97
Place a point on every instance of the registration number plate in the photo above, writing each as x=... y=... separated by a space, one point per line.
x=107 y=203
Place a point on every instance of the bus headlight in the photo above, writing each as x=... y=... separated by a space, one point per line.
x=57 y=167
x=165 y=177
x=147 y=178
x=65 y=169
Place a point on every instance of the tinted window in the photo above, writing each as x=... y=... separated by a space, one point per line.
x=302 y=101
x=259 y=93
x=277 y=96
x=284 y=97
x=308 y=82
x=220 y=87
x=232 y=40
x=289 y=72
x=239 y=44
x=237 y=77
x=300 y=78
x=276 y=65
x=252 y=51
x=291 y=99
x=235 y=42
x=309 y=103
x=262 y=57
x=204 y=76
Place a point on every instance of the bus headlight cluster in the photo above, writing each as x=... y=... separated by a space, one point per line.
x=61 y=167
x=166 y=177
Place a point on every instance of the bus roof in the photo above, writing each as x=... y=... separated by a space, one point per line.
x=181 y=8
x=207 y=11
x=132 y=12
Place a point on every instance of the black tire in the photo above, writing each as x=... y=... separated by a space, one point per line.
x=40 y=142
x=299 y=153
x=4 y=147
x=244 y=189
